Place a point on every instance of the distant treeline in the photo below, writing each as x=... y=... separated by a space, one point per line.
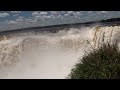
x=111 y=20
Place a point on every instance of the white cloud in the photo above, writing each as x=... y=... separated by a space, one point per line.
x=89 y=12
x=49 y=16
x=4 y=14
x=60 y=16
x=102 y=12
x=16 y=15
x=63 y=11
x=52 y=16
x=65 y=15
x=38 y=16
x=20 y=17
x=35 y=13
x=24 y=20
x=29 y=20
x=38 y=13
x=11 y=22
x=54 y=12
x=71 y=13
x=16 y=21
x=15 y=11
x=79 y=13
x=19 y=20
x=43 y=13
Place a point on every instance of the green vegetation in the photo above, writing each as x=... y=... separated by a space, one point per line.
x=102 y=63
x=111 y=20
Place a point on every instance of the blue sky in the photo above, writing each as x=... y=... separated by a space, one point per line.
x=21 y=19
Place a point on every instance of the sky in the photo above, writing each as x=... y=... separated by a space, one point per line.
x=10 y=20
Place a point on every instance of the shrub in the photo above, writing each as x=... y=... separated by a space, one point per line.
x=102 y=63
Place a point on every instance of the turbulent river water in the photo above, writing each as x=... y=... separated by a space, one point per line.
x=50 y=55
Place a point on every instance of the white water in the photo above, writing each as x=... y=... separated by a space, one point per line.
x=50 y=55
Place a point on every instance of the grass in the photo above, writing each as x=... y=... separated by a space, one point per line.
x=102 y=63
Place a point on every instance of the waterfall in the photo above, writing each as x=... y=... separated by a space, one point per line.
x=50 y=55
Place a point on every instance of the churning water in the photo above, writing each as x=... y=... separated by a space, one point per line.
x=50 y=55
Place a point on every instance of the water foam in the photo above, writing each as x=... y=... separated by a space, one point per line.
x=50 y=55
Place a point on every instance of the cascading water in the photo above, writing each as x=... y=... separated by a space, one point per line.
x=108 y=34
x=50 y=55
